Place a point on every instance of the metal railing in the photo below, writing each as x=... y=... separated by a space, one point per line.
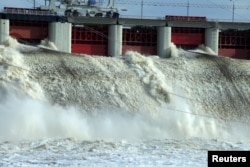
x=144 y=17
x=28 y=11
x=164 y=18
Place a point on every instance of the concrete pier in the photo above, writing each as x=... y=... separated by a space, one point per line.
x=115 y=40
x=163 y=41
x=4 y=30
x=60 y=34
x=212 y=39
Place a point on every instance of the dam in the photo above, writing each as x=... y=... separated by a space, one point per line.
x=114 y=36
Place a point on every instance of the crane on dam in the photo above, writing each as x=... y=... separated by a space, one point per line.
x=82 y=7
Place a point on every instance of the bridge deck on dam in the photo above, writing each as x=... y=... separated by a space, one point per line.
x=129 y=21
x=160 y=22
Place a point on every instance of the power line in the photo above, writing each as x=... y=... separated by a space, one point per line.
x=176 y=4
x=208 y=5
x=34 y=2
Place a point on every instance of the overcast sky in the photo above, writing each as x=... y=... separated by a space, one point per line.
x=212 y=9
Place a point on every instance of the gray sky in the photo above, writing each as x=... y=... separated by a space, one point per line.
x=212 y=9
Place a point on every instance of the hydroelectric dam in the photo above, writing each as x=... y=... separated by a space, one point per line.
x=114 y=36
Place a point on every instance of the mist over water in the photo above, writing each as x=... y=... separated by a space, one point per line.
x=48 y=94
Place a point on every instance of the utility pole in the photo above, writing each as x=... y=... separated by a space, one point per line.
x=233 y=10
x=34 y=5
x=142 y=8
x=188 y=6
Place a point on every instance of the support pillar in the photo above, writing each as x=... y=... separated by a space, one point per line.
x=212 y=39
x=163 y=41
x=115 y=40
x=60 y=34
x=4 y=30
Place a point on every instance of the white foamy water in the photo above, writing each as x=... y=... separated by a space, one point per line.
x=69 y=110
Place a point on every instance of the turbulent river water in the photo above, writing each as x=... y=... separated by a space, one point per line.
x=59 y=109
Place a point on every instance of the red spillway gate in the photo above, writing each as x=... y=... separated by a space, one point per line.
x=140 y=39
x=235 y=44
x=187 y=37
x=28 y=30
x=90 y=40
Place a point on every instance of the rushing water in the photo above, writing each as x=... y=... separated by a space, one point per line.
x=59 y=109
